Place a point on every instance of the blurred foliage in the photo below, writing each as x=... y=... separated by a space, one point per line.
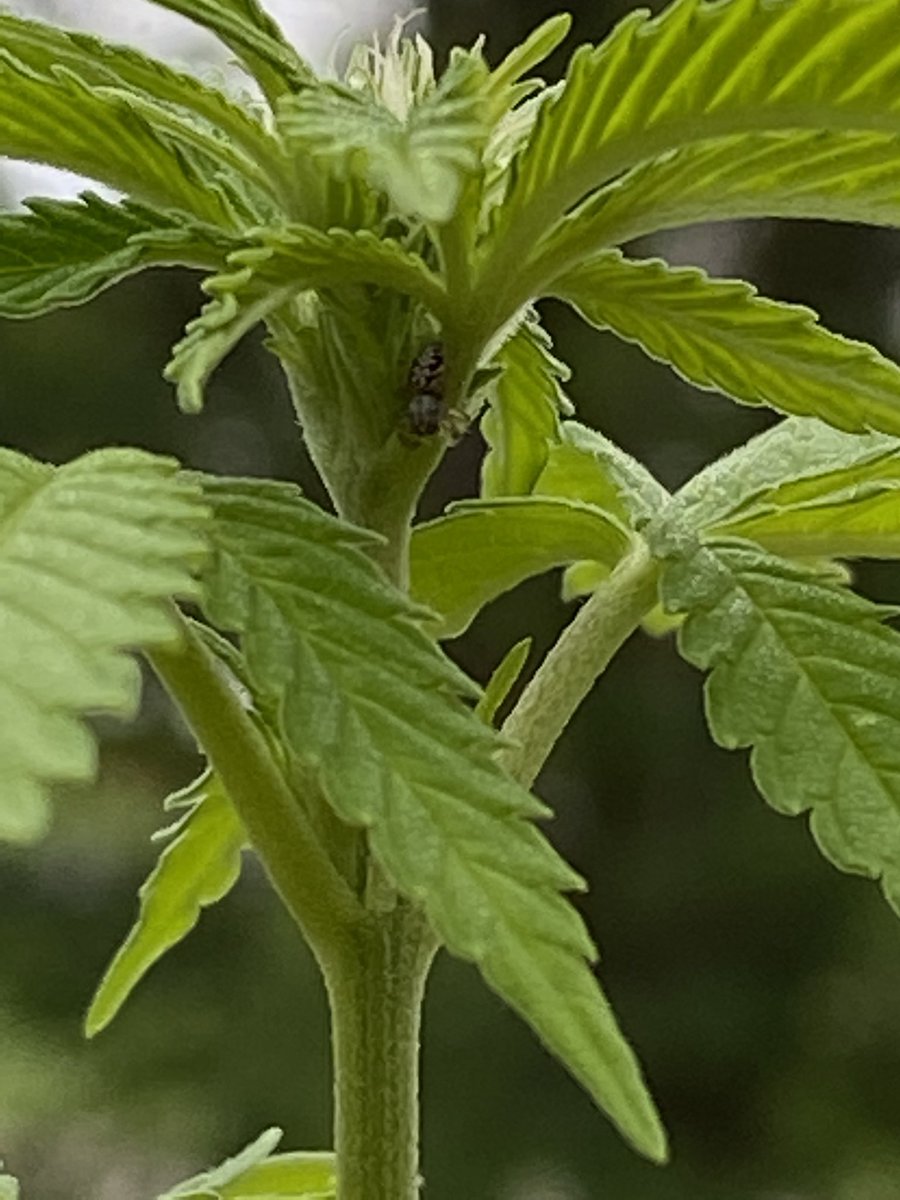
x=761 y=988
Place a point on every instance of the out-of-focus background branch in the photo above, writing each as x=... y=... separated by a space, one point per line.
x=761 y=988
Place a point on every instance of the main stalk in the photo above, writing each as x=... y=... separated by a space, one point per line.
x=376 y=987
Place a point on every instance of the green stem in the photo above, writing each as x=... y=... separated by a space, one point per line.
x=312 y=889
x=376 y=989
x=574 y=664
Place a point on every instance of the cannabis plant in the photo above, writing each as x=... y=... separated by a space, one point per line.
x=393 y=229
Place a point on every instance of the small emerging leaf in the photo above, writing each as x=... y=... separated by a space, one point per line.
x=537 y=47
x=503 y=680
x=795 y=459
x=258 y=1172
x=522 y=421
x=200 y=865
x=584 y=465
x=279 y=265
x=419 y=156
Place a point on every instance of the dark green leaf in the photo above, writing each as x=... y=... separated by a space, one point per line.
x=806 y=673
x=372 y=709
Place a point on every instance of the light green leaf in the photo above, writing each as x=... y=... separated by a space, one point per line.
x=864 y=524
x=686 y=76
x=806 y=673
x=295 y=1176
x=9 y=1188
x=57 y=118
x=65 y=252
x=419 y=157
x=850 y=511
x=260 y=1173
x=832 y=176
x=370 y=706
x=462 y=561
x=254 y=36
x=584 y=465
x=537 y=47
x=503 y=680
x=232 y=1169
x=98 y=63
x=720 y=335
x=279 y=264
x=522 y=420
x=797 y=459
x=199 y=865
x=89 y=556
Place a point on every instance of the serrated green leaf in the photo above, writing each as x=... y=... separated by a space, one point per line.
x=54 y=117
x=254 y=36
x=803 y=456
x=522 y=420
x=279 y=264
x=832 y=176
x=199 y=865
x=371 y=708
x=99 y=63
x=65 y=252
x=659 y=83
x=806 y=673
x=862 y=525
x=503 y=680
x=258 y=1172
x=537 y=47
x=720 y=335
x=462 y=561
x=419 y=156
x=89 y=556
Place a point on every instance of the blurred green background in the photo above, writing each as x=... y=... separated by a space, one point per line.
x=760 y=987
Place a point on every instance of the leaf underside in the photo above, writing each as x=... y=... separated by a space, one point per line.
x=720 y=335
x=824 y=174
x=659 y=83
x=64 y=252
x=369 y=705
